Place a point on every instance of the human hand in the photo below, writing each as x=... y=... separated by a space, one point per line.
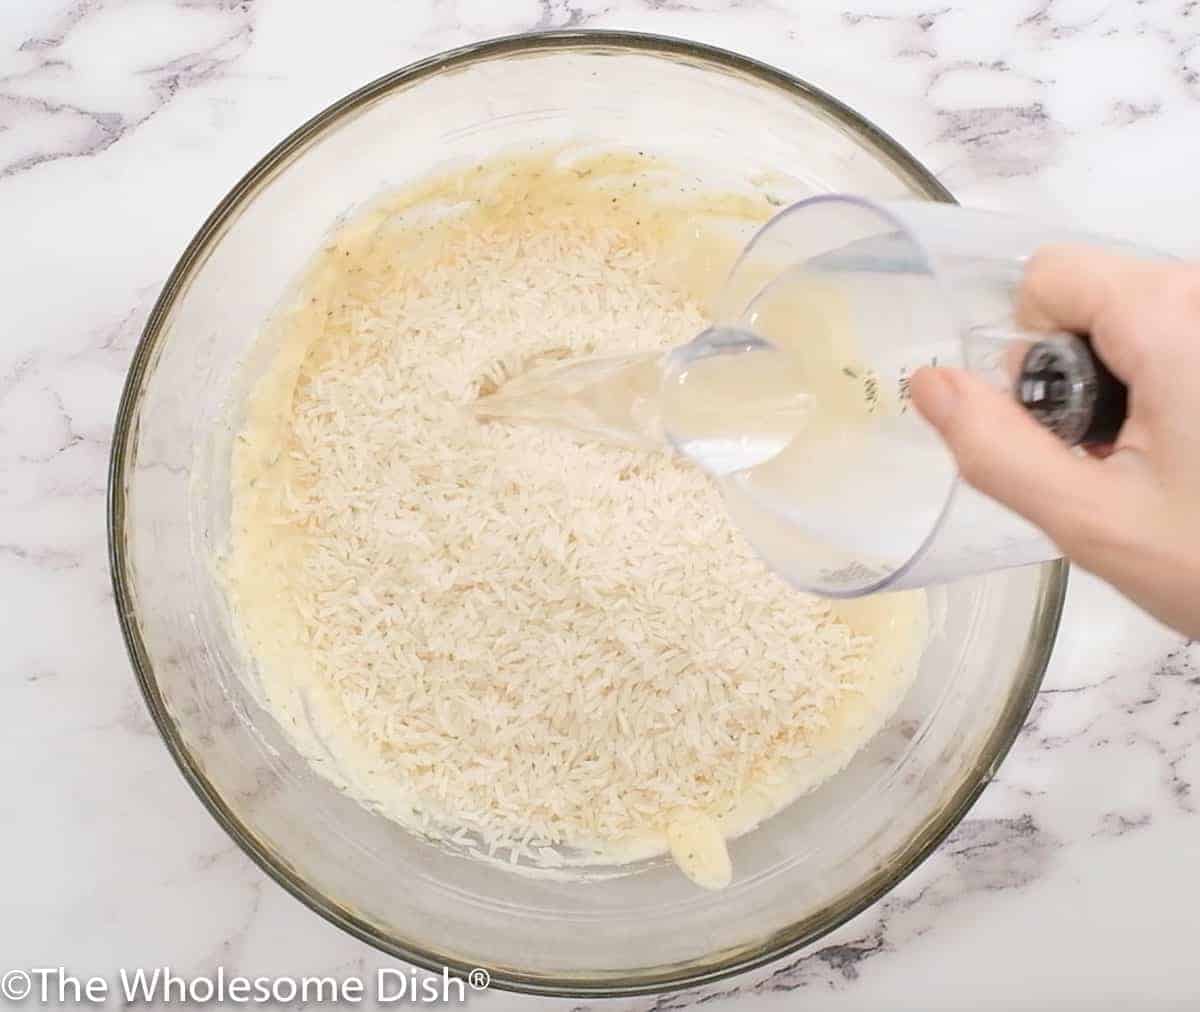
x=1130 y=513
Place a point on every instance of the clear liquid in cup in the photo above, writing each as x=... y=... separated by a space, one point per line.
x=778 y=408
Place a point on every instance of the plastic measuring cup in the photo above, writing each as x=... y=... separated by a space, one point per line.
x=842 y=299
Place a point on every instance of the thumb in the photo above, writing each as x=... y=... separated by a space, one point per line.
x=1005 y=454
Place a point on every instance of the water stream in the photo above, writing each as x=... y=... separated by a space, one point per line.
x=728 y=400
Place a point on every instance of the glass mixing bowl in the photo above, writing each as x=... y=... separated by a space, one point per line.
x=799 y=875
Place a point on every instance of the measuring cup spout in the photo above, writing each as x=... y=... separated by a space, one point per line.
x=731 y=400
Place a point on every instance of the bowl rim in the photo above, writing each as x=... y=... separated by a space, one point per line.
x=1043 y=630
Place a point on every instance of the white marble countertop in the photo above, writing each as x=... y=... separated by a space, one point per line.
x=1073 y=882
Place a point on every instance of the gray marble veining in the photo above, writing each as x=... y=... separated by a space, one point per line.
x=122 y=123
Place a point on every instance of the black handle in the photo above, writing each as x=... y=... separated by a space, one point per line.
x=1065 y=386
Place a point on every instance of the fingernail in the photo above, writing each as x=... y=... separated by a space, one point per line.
x=935 y=394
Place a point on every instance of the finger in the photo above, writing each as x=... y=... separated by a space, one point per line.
x=1090 y=291
x=1005 y=454
x=1068 y=287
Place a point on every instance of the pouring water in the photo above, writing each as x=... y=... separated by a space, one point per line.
x=727 y=400
x=796 y=400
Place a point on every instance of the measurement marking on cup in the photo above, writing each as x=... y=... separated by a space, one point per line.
x=871 y=390
x=905 y=392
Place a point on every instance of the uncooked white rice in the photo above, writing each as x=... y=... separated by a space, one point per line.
x=535 y=642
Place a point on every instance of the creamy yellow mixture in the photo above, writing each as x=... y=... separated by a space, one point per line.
x=690 y=240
